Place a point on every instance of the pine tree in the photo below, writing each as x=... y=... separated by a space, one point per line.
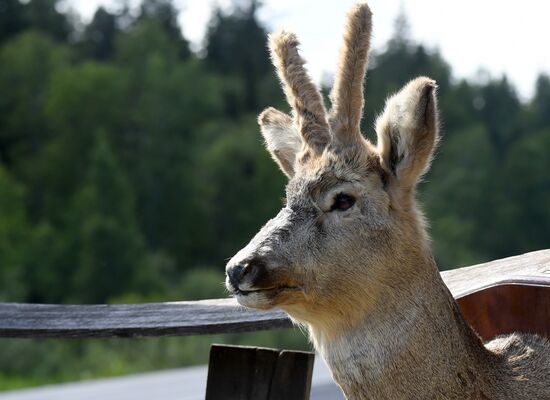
x=541 y=102
x=12 y=19
x=236 y=45
x=43 y=15
x=98 y=39
x=501 y=114
x=165 y=15
x=14 y=235
x=111 y=250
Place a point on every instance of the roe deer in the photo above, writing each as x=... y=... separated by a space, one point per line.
x=348 y=256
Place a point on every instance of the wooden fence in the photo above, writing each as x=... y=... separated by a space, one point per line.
x=498 y=297
x=530 y=272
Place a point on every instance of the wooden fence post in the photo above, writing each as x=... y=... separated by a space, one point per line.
x=251 y=373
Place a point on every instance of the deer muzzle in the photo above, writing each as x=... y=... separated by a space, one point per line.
x=262 y=270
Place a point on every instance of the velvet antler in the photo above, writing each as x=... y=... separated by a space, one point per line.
x=301 y=93
x=347 y=93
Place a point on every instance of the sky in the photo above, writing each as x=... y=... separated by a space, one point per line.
x=476 y=37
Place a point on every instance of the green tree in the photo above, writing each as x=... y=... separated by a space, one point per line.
x=169 y=102
x=524 y=216
x=500 y=110
x=15 y=231
x=51 y=264
x=540 y=105
x=27 y=63
x=459 y=214
x=112 y=256
x=12 y=19
x=39 y=15
x=226 y=54
x=81 y=100
x=401 y=61
x=98 y=39
x=43 y=16
x=163 y=13
x=144 y=40
x=238 y=188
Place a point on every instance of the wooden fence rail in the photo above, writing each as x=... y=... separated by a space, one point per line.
x=531 y=270
x=134 y=320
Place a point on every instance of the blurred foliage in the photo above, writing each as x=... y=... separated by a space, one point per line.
x=61 y=361
x=131 y=168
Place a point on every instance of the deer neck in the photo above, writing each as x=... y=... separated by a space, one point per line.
x=419 y=343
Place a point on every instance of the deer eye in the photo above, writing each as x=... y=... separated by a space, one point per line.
x=342 y=202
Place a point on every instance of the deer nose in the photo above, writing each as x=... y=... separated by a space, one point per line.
x=238 y=272
x=234 y=274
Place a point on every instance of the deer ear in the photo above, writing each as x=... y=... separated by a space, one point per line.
x=407 y=132
x=282 y=139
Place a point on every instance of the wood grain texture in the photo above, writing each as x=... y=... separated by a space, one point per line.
x=135 y=320
x=292 y=377
x=251 y=373
x=530 y=269
x=225 y=315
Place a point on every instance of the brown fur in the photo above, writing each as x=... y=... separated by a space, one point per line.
x=285 y=143
x=301 y=93
x=347 y=93
x=359 y=272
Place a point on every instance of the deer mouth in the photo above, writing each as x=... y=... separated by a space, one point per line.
x=265 y=291
x=266 y=298
x=263 y=287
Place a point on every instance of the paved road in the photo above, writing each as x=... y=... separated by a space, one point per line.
x=178 y=384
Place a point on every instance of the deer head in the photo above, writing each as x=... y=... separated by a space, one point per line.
x=350 y=228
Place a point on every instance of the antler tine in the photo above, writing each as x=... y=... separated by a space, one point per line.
x=301 y=93
x=347 y=93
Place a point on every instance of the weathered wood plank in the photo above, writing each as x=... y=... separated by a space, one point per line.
x=134 y=320
x=292 y=377
x=240 y=373
x=530 y=269
x=250 y=373
x=262 y=374
x=225 y=315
